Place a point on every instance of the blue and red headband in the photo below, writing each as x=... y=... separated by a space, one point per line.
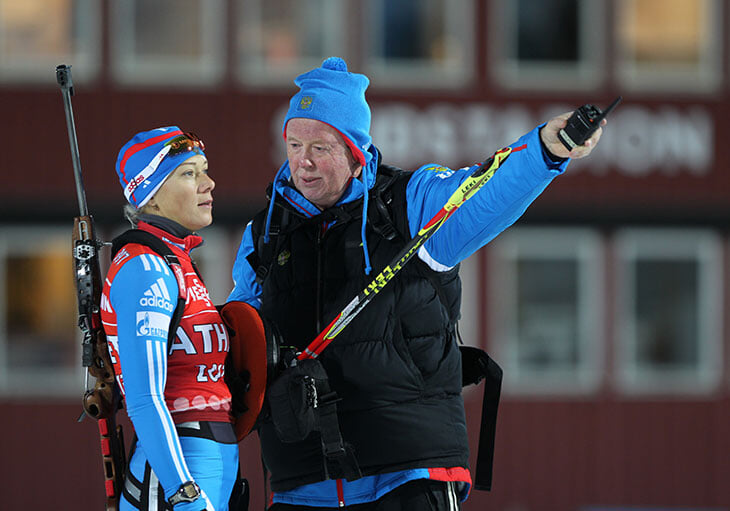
x=145 y=161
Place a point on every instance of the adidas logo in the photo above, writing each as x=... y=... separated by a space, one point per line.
x=157 y=296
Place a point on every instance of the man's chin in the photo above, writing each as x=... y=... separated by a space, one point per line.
x=312 y=196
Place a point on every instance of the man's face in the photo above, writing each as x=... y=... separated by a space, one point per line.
x=320 y=162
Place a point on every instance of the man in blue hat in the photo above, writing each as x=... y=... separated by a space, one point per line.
x=335 y=214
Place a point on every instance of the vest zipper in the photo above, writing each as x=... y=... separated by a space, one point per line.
x=340 y=494
x=318 y=303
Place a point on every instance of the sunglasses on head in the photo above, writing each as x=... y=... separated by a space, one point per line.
x=188 y=141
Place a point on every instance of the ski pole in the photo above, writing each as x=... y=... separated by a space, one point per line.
x=466 y=190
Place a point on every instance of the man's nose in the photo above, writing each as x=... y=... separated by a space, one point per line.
x=305 y=160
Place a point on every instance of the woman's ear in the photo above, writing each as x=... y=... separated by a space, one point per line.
x=151 y=204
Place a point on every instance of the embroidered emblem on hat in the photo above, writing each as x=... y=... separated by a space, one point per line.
x=306 y=102
x=283 y=258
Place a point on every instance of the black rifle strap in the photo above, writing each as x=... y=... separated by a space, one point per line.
x=160 y=248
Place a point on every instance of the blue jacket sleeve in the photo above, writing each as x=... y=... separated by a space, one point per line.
x=505 y=197
x=141 y=295
x=245 y=288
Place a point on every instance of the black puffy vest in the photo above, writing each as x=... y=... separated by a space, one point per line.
x=396 y=367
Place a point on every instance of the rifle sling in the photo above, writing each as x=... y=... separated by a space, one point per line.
x=160 y=248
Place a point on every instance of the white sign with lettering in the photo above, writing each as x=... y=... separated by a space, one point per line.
x=639 y=140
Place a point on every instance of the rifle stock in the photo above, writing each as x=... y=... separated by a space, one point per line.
x=102 y=401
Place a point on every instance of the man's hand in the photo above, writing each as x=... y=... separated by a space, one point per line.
x=549 y=137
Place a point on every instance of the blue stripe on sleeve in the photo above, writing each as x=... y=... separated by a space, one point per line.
x=144 y=295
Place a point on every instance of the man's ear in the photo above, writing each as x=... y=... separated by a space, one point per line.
x=356 y=169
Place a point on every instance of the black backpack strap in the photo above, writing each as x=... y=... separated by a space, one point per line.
x=476 y=363
x=160 y=248
x=488 y=430
x=339 y=457
x=385 y=197
x=477 y=366
x=391 y=197
x=264 y=253
x=379 y=217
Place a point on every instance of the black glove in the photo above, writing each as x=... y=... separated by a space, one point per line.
x=238 y=383
x=239 y=496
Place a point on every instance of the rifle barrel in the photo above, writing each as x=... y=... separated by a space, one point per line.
x=63 y=76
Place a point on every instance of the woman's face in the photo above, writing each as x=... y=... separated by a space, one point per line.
x=186 y=196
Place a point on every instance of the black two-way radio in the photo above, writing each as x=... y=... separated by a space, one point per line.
x=583 y=123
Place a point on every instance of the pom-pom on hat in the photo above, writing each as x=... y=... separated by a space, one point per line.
x=145 y=161
x=333 y=95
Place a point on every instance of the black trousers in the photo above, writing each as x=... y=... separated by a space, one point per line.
x=418 y=495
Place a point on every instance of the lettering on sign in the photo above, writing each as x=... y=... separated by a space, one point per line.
x=665 y=140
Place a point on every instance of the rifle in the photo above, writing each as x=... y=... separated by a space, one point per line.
x=103 y=400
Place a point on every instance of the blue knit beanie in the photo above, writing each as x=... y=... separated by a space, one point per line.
x=143 y=163
x=333 y=95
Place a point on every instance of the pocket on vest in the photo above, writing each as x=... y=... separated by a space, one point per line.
x=400 y=346
x=427 y=352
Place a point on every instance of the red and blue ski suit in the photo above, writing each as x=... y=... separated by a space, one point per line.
x=174 y=392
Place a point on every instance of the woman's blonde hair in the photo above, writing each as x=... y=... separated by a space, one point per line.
x=131 y=214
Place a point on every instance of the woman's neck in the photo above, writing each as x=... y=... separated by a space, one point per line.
x=165 y=224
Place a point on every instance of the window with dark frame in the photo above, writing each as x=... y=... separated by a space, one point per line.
x=419 y=43
x=669 y=45
x=39 y=338
x=545 y=289
x=669 y=311
x=547 y=302
x=666 y=313
x=35 y=35
x=548 y=31
x=168 y=28
x=547 y=44
x=168 y=42
x=276 y=40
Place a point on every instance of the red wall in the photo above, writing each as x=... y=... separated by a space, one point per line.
x=551 y=455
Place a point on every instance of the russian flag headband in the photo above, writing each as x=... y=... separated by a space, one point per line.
x=144 y=174
x=149 y=157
